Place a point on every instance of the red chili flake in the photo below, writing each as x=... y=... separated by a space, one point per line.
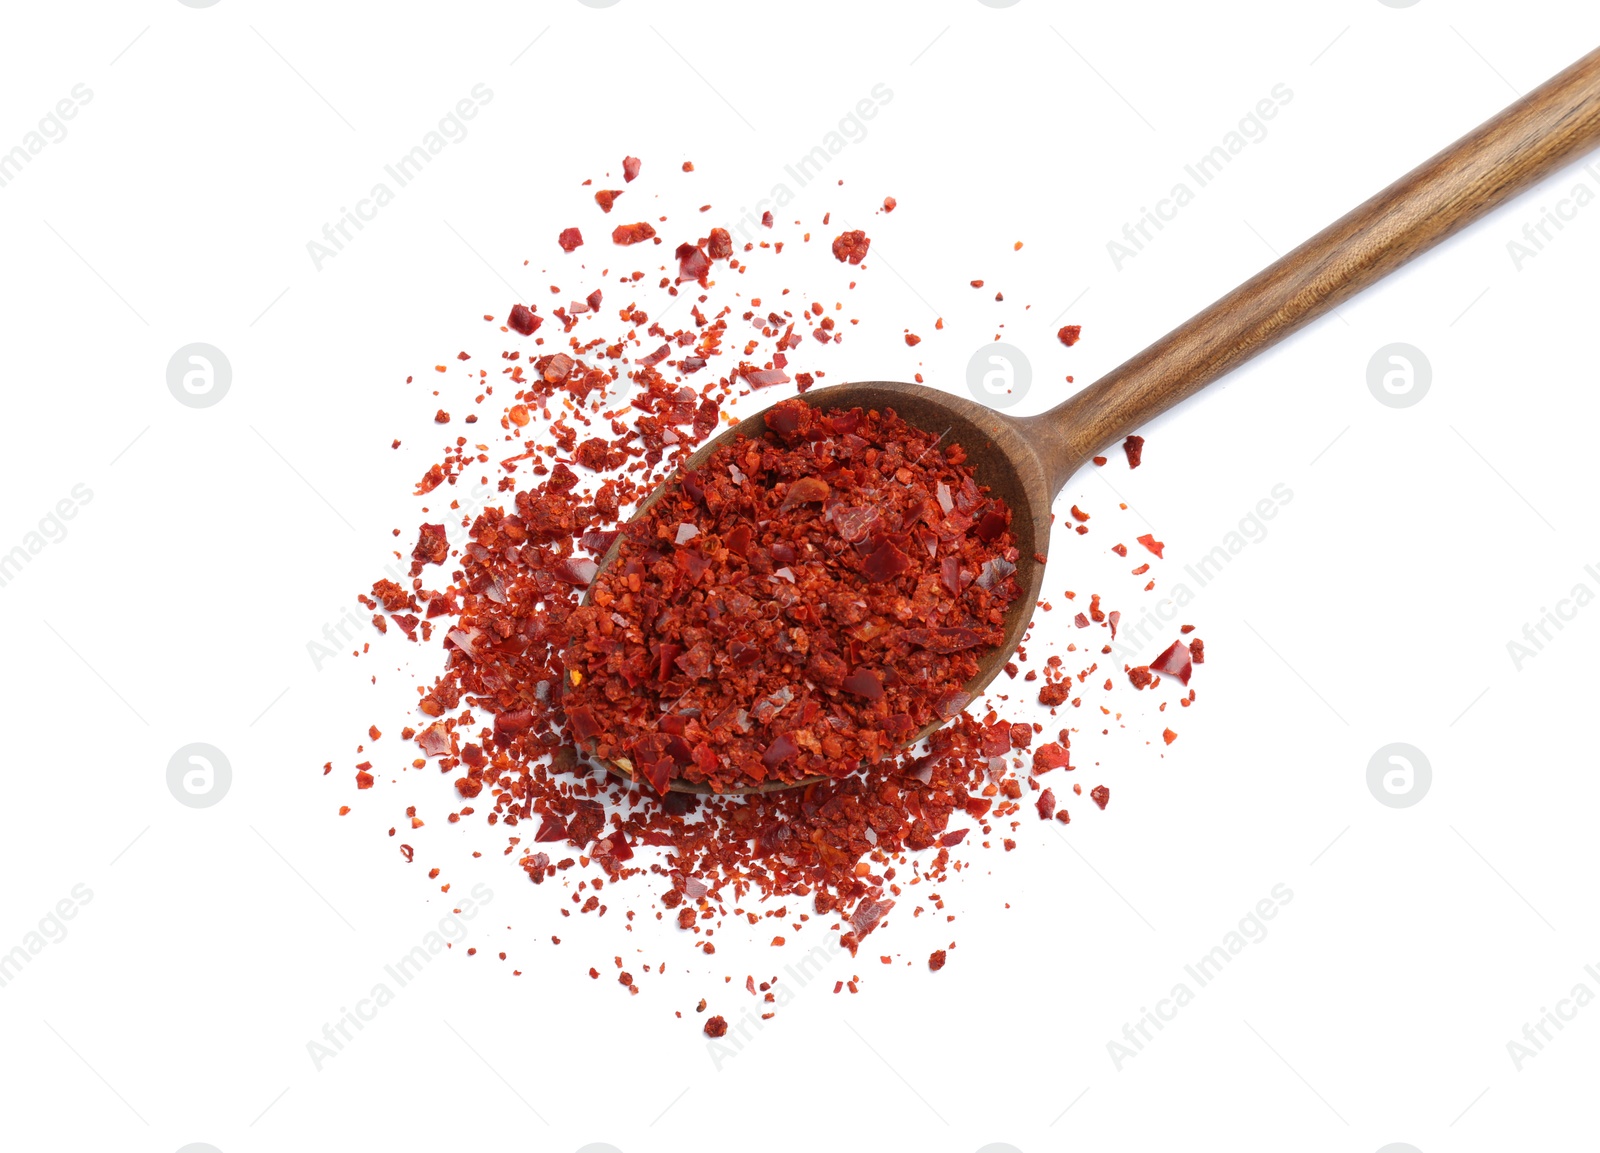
x=1197 y=651
x=851 y=246
x=632 y=233
x=606 y=197
x=912 y=340
x=936 y=960
x=570 y=239
x=1168 y=735
x=1150 y=542
x=1051 y=756
x=1055 y=693
x=716 y=1027
x=630 y=168
x=889 y=204
x=765 y=377
x=766 y=220
x=1046 y=805
x=1134 y=447
x=1100 y=795
x=693 y=263
x=863 y=683
x=885 y=563
x=1068 y=335
x=524 y=321
x=1099 y=459
x=719 y=245
x=432 y=547
x=1175 y=662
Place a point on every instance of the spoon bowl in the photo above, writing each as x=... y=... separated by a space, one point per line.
x=1004 y=461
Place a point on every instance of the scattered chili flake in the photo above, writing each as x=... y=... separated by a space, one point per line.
x=1168 y=735
x=936 y=960
x=1134 y=447
x=800 y=605
x=630 y=168
x=1100 y=795
x=606 y=197
x=851 y=246
x=1150 y=542
x=570 y=239
x=1175 y=662
x=1069 y=334
x=716 y=1027
x=632 y=233
x=523 y=320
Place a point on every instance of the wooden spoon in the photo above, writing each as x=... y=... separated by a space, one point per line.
x=1025 y=461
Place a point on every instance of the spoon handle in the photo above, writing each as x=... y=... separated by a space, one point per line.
x=1555 y=123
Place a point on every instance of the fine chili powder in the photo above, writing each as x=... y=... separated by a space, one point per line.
x=798 y=606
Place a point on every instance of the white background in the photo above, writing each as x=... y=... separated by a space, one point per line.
x=219 y=541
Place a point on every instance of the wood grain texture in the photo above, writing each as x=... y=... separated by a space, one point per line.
x=1553 y=125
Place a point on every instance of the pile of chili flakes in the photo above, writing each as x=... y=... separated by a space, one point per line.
x=600 y=410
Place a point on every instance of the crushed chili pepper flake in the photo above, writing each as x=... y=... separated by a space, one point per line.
x=851 y=246
x=801 y=604
x=1068 y=335
x=632 y=233
x=1134 y=447
x=1150 y=542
